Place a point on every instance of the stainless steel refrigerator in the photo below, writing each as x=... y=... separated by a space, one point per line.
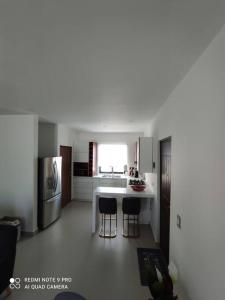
x=49 y=190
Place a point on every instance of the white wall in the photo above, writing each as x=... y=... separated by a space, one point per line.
x=18 y=168
x=194 y=115
x=65 y=136
x=83 y=138
x=47 y=139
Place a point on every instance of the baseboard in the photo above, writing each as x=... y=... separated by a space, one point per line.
x=29 y=233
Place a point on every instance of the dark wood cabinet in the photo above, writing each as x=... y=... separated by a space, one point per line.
x=66 y=153
x=87 y=168
x=92 y=163
x=165 y=187
x=80 y=169
x=136 y=154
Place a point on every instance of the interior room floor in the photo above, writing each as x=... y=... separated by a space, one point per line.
x=101 y=269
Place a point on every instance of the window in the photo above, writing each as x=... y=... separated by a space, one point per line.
x=112 y=156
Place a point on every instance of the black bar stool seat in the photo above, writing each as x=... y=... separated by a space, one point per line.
x=107 y=208
x=131 y=207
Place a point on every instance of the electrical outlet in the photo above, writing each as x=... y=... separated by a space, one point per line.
x=179 y=221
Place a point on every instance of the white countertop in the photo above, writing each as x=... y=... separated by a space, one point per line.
x=128 y=191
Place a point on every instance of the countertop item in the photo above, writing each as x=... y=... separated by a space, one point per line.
x=138 y=188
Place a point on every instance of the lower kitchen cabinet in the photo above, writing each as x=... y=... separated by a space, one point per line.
x=84 y=186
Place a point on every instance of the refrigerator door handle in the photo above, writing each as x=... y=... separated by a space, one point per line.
x=55 y=176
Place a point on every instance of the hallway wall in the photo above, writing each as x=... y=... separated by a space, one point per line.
x=18 y=168
x=194 y=115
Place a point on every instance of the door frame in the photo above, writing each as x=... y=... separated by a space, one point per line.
x=169 y=138
x=71 y=169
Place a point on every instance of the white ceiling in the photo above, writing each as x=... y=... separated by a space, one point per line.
x=100 y=65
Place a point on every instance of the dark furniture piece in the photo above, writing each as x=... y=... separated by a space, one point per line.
x=88 y=169
x=66 y=153
x=131 y=208
x=69 y=296
x=8 y=239
x=150 y=259
x=92 y=162
x=165 y=188
x=80 y=169
x=108 y=207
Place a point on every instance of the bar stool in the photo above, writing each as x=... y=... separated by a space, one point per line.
x=108 y=207
x=131 y=207
x=69 y=296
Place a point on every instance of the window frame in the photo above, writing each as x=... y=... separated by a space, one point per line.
x=114 y=172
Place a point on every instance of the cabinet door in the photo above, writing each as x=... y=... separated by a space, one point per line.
x=116 y=182
x=83 y=179
x=136 y=153
x=145 y=154
x=81 y=157
x=124 y=183
x=83 y=188
x=110 y=182
x=105 y=182
x=96 y=183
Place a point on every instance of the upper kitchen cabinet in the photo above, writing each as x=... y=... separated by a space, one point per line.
x=86 y=159
x=82 y=153
x=144 y=155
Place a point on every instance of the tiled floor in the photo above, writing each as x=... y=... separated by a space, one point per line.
x=100 y=269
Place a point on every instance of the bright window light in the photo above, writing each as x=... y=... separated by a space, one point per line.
x=112 y=156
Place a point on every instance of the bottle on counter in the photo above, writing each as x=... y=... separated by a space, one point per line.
x=136 y=173
x=130 y=172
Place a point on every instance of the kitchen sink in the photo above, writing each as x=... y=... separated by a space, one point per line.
x=111 y=176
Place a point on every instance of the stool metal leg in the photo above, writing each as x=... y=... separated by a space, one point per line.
x=134 y=221
x=104 y=225
x=110 y=224
x=128 y=225
x=106 y=229
x=116 y=221
x=138 y=225
x=123 y=224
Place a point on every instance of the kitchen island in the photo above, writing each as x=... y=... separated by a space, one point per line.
x=119 y=192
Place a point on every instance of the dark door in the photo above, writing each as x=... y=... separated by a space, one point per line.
x=66 y=153
x=165 y=187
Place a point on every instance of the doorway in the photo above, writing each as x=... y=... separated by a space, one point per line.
x=66 y=153
x=165 y=191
